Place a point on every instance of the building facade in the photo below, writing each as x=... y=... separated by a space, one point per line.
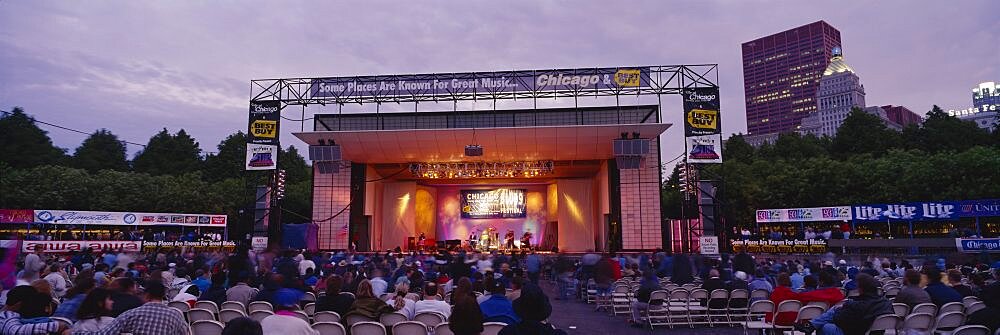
x=986 y=94
x=840 y=90
x=781 y=75
x=985 y=106
x=902 y=116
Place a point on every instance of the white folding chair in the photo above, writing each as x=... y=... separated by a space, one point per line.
x=755 y=316
x=302 y=315
x=180 y=305
x=928 y=308
x=620 y=302
x=947 y=322
x=677 y=307
x=429 y=319
x=326 y=316
x=233 y=305
x=902 y=310
x=308 y=297
x=226 y=314
x=971 y=330
x=952 y=307
x=366 y=328
x=260 y=306
x=697 y=314
x=259 y=315
x=919 y=322
x=409 y=328
x=974 y=307
x=716 y=298
x=351 y=319
x=391 y=319
x=329 y=328
x=759 y=295
x=207 y=305
x=492 y=328
x=656 y=313
x=737 y=305
x=442 y=329
x=887 y=322
x=198 y=314
x=786 y=306
x=969 y=300
x=310 y=308
x=206 y=327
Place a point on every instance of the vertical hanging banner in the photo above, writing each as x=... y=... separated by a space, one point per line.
x=702 y=125
x=262 y=135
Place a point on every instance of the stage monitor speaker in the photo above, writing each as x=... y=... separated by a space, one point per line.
x=324 y=153
x=327 y=167
x=454 y=243
x=441 y=245
x=473 y=150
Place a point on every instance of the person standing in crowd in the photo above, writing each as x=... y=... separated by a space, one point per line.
x=284 y=320
x=533 y=266
x=334 y=301
x=682 y=270
x=939 y=292
x=533 y=309
x=856 y=315
x=95 y=311
x=911 y=294
x=152 y=318
x=57 y=280
x=10 y=318
x=432 y=302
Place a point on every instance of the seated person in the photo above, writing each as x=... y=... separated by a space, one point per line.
x=940 y=293
x=827 y=292
x=856 y=315
x=497 y=308
x=911 y=294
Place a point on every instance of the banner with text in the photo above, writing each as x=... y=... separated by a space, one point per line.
x=974 y=208
x=704 y=149
x=501 y=203
x=701 y=111
x=565 y=80
x=977 y=245
x=916 y=211
x=780 y=246
x=262 y=135
x=126 y=218
x=69 y=246
x=833 y=213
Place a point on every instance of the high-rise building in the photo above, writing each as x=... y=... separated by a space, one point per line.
x=986 y=94
x=985 y=106
x=901 y=115
x=781 y=75
x=840 y=90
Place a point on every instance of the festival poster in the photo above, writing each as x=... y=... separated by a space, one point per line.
x=501 y=203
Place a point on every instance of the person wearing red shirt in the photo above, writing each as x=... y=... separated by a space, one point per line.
x=781 y=293
x=828 y=291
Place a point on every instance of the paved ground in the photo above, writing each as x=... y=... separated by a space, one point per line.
x=576 y=317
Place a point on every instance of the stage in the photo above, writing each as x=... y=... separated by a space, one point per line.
x=551 y=173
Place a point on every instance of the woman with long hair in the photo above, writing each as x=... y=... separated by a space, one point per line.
x=466 y=317
x=462 y=289
x=333 y=300
x=367 y=304
x=400 y=303
x=95 y=311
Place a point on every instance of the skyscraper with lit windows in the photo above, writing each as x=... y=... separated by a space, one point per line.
x=781 y=75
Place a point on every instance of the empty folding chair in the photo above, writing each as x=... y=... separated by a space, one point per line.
x=207 y=305
x=947 y=322
x=901 y=310
x=180 y=305
x=717 y=301
x=302 y=315
x=970 y=300
x=887 y=322
x=310 y=308
x=928 y=308
x=198 y=314
x=228 y=314
x=260 y=306
x=786 y=306
x=492 y=328
x=919 y=322
x=620 y=301
x=972 y=330
x=260 y=315
x=409 y=328
x=366 y=328
x=326 y=316
x=351 y=319
x=206 y=327
x=329 y=328
x=429 y=319
x=755 y=315
x=677 y=307
x=952 y=307
x=738 y=305
x=442 y=329
x=759 y=295
x=697 y=314
x=656 y=313
x=974 y=307
x=391 y=319
x=233 y=305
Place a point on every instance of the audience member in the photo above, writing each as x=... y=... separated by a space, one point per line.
x=939 y=292
x=284 y=320
x=152 y=318
x=95 y=311
x=333 y=301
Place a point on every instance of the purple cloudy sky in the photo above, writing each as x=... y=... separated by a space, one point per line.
x=135 y=67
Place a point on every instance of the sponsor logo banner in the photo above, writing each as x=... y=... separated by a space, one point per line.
x=178 y=244
x=701 y=111
x=501 y=203
x=261 y=156
x=704 y=149
x=916 y=211
x=567 y=80
x=265 y=117
x=17 y=216
x=68 y=246
x=48 y=216
x=834 y=213
x=974 y=208
x=977 y=245
x=780 y=246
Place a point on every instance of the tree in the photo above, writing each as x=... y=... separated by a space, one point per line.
x=167 y=154
x=23 y=144
x=231 y=159
x=737 y=149
x=940 y=132
x=101 y=151
x=863 y=133
x=296 y=168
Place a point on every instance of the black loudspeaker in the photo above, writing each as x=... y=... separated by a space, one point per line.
x=473 y=150
x=442 y=245
x=453 y=243
x=324 y=153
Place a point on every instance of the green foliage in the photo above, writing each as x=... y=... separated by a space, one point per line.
x=231 y=159
x=23 y=144
x=941 y=131
x=169 y=154
x=863 y=133
x=101 y=151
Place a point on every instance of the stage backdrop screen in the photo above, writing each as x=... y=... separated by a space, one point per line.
x=501 y=203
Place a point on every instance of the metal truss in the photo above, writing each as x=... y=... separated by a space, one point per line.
x=663 y=79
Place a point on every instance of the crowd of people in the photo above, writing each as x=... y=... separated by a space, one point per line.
x=112 y=292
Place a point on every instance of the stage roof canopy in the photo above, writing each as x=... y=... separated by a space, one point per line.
x=572 y=142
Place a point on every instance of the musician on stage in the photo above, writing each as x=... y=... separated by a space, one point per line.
x=509 y=240
x=526 y=240
x=484 y=239
x=420 y=241
x=474 y=239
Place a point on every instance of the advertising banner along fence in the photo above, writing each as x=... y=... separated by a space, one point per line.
x=942 y=210
x=501 y=203
x=97 y=246
x=63 y=217
x=780 y=246
x=977 y=245
x=833 y=213
x=567 y=80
